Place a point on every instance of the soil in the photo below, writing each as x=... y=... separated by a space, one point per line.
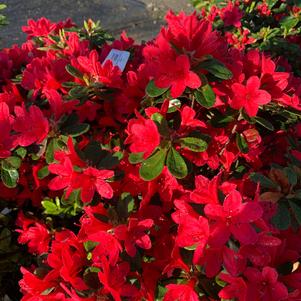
x=140 y=18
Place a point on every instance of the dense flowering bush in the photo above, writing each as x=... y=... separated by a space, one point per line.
x=177 y=178
x=270 y=25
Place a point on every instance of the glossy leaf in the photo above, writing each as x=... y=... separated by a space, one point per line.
x=242 y=143
x=263 y=180
x=216 y=68
x=9 y=177
x=153 y=91
x=263 y=122
x=194 y=144
x=296 y=209
x=205 y=96
x=135 y=158
x=73 y=71
x=282 y=219
x=152 y=167
x=176 y=164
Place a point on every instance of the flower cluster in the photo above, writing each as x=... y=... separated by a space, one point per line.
x=271 y=26
x=177 y=178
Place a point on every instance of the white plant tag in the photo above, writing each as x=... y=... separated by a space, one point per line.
x=119 y=58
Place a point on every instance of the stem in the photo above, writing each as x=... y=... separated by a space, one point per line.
x=192 y=101
x=233 y=131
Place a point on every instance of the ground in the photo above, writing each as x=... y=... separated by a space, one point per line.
x=140 y=18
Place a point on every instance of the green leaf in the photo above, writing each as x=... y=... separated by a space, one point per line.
x=135 y=158
x=76 y=129
x=153 y=91
x=152 y=167
x=107 y=161
x=296 y=209
x=74 y=72
x=69 y=84
x=263 y=122
x=50 y=207
x=219 y=120
x=5 y=240
x=125 y=205
x=271 y=3
x=98 y=157
x=51 y=147
x=217 y=68
x=176 y=164
x=9 y=177
x=289 y=22
x=205 y=96
x=291 y=175
x=191 y=248
x=90 y=245
x=298 y=194
x=79 y=92
x=161 y=292
x=93 y=152
x=220 y=282
x=282 y=219
x=161 y=123
x=21 y=151
x=242 y=143
x=12 y=162
x=47 y=291
x=194 y=144
x=43 y=172
x=174 y=104
x=263 y=180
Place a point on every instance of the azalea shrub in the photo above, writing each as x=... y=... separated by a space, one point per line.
x=273 y=26
x=168 y=170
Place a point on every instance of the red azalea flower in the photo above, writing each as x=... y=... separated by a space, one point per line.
x=91 y=225
x=233 y=217
x=45 y=73
x=178 y=76
x=143 y=135
x=75 y=46
x=165 y=185
x=37 y=238
x=58 y=106
x=264 y=285
x=113 y=279
x=72 y=263
x=194 y=35
x=65 y=175
x=71 y=154
x=193 y=232
x=236 y=288
x=180 y=292
x=107 y=246
x=134 y=234
x=107 y=74
x=31 y=126
x=249 y=97
x=206 y=191
x=43 y=27
x=34 y=286
x=231 y=15
x=7 y=141
x=260 y=253
x=92 y=180
x=68 y=258
x=212 y=260
x=33 y=233
x=189 y=120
